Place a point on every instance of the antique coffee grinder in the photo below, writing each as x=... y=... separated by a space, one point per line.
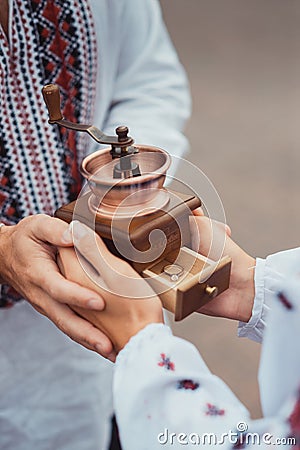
x=140 y=220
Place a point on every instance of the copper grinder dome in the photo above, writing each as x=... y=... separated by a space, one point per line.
x=98 y=170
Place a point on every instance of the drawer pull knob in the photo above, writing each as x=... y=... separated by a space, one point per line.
x=211 y=291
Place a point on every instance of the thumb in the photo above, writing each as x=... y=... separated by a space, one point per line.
x=51 y=230
x=198 y=212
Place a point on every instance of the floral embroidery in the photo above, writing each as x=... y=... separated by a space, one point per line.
x=213 y=410
x=294 y=421
x=187 y=385
x=241 y=442
x=166 y=362
x=284 y=300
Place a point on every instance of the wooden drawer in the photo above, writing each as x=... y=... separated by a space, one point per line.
x=201 y=281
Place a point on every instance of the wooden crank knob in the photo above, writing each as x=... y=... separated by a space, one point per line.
x=51 y=96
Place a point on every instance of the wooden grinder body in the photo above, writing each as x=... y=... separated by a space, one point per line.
x=190 y=292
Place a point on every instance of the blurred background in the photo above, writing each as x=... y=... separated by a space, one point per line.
x=243 y=63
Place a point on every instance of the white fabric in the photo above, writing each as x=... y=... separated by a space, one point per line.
x=269 y=274
x=254 y=329
x=279 y=372
x=53 y=393
x=140 y=80
x=151 y=402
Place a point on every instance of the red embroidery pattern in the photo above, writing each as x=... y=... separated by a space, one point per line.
x=53 y=41
x=241 y=443
x=188 y=385
x=294 y=421
x=284 y=300
x=213 y=410
x=166 y=362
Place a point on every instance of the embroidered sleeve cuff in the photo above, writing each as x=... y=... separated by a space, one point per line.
x=154 y=331
x=255 y=327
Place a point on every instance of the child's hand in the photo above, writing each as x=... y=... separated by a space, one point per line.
x=237 y=301
x=131 y=304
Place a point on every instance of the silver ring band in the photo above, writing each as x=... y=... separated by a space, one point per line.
x=174 y=271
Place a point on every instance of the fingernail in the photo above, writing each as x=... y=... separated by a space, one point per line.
x=67 y=236
x=195 y=238
x=95 y=303
x=79 y=230
x=198 y=212
x=112 y=357
x=228 y=230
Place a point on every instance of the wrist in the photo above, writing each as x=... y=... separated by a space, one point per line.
x=247 y=289
x=132 y=328
x=3 y=230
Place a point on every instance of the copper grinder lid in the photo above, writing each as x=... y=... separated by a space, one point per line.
x=98 y=166
x=142 y=194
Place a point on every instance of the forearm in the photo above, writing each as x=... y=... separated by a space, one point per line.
x=165 y=395
x=269 y=274
x=162 y=386
x=6 y=233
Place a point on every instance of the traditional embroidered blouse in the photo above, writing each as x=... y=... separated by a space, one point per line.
x=49 y=42
x=166 y=397
x=111 y=59
x=54 y=393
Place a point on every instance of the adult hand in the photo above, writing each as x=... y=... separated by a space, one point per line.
x=28 y=263
x=237 y=301
x=131 y=304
